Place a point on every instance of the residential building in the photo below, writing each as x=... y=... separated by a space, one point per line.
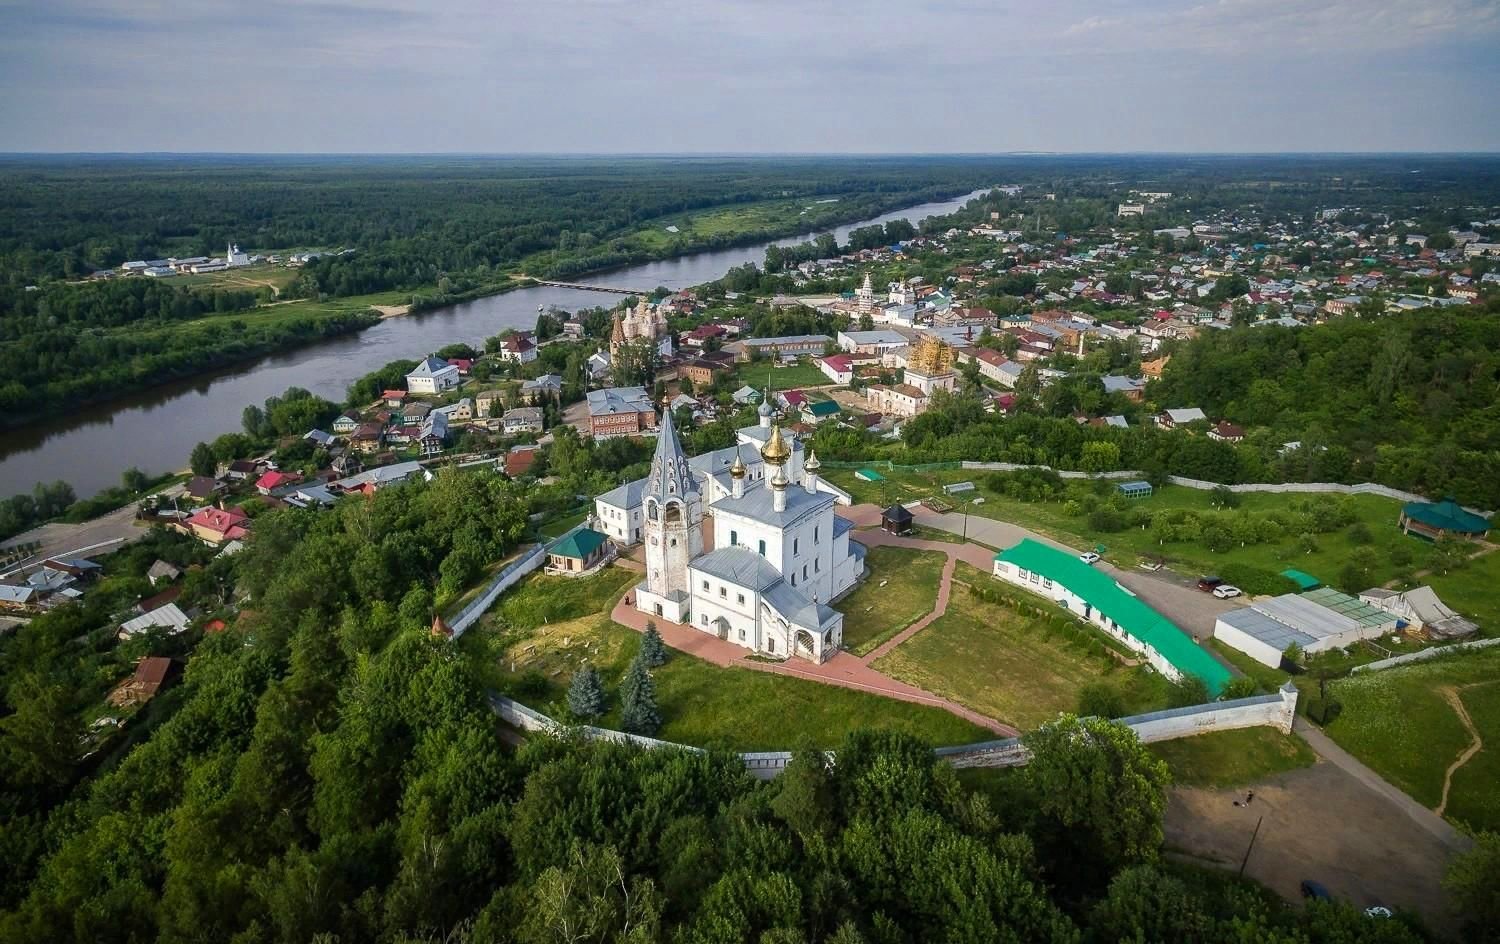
x=1172 y=419
x=523 y=419
x=431 y=377
x=620 y=411
x=216 y=525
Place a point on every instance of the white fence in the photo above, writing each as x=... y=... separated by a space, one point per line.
x=503 y=581
x=1279 y=488
x=1432 y=653
x=1276 y=711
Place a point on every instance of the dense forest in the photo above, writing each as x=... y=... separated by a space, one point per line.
x=327 y=770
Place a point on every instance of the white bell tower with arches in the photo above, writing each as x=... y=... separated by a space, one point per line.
x=672 y=511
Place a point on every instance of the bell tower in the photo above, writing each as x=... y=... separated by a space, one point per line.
x=673 y=526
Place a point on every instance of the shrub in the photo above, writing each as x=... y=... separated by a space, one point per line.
x=1257 y=580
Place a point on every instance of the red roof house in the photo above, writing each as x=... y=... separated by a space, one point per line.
x=273 y=480
x=217 y=525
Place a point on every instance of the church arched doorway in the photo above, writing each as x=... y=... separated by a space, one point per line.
x=805 y=645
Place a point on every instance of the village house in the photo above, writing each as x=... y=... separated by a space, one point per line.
x=216 y=525
x=547 y=385
x=518 y=349
x=1173 y=419
x=151 y=674
x=523 y=419
x=837 y=368
x=1225 y=431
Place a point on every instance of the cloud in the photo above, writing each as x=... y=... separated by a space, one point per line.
x=768 y=75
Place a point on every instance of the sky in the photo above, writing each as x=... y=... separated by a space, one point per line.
x=749 y=76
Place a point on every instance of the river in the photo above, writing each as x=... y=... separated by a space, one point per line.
x=154 y=430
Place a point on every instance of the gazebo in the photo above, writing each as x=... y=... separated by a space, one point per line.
x=896 y=519
x=1433 y=520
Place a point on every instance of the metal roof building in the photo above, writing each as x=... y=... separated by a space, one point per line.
x=1316 y=622
x=1098 y=598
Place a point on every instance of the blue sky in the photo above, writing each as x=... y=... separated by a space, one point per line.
x=749 y=75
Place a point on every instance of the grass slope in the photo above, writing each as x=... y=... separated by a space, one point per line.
x=548 y=626
x=1398 y=723
x=1233 y=758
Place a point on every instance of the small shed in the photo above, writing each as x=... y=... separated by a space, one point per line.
x=1135 y=489
x=577 y=552
x=869 y=475
x=896 y=519
x=1303 y=581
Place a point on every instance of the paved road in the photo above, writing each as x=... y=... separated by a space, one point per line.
x=1439 y=828
x=98 y=535
x=1174 y=597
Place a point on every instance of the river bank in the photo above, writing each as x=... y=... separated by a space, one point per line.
x=155 y=429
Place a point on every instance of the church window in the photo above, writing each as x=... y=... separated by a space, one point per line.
x=741 y=598
x=794 y=578
x=734 y=538
x=770 y=645
x=674 y=542
x=815 y=534
x=705 y=585
x=796 y=542
x=762 y=548
x=723 y=592
x=817 y=565
x=804 y=571
x=703 y=619
x=742 y=635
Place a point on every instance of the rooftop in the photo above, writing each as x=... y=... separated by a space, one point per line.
x=1099 y=590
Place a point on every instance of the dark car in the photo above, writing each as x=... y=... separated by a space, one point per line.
x=1311 y=889
x=1208 y=583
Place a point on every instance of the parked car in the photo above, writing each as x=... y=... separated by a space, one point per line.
x=1225 y=591
x=1089 y=557
x=1378 y=911
x=1311 y=889
x=1208 y=583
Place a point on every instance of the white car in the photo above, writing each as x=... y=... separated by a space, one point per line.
x=1089 y=557
x=1225 y=592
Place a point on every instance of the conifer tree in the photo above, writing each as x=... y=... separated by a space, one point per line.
x=653 y=650
x=586 y=694
x=638 y=699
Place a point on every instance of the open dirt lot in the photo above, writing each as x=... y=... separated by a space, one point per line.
x=1322 y=824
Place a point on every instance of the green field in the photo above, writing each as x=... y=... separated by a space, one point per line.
x=1233 y=758
x=521 y=653
x=1398 y=722
x=1474 y=798
x=722 y=221
x=1129 y=546
x=874 y=613
x=253 y=277
x=769 y=373
x=557 y=527
x=1012 y=667
x=1473 y=590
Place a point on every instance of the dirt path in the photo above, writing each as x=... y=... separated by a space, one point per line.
x=1451 y=695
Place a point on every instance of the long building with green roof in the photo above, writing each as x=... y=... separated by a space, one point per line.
x=1094 y=595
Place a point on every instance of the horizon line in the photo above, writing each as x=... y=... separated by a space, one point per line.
x=756 y=154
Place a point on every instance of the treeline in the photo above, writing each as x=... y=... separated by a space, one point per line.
x=826 y=246
x=62 y=369
x=1406 y=400
x=328 y=770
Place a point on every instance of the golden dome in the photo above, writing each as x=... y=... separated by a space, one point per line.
x=738 y=469
x=776 y=450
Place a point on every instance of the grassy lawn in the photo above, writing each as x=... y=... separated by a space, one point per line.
x=1475 y=795
x=1009 y=666
x=532 y=658
x=557 y=527
x=1233 y=758
x=770 y=373
x=874 y=613
x=1189 y=557
x=251 y=277
x=1398 y=722
x=1473 y=591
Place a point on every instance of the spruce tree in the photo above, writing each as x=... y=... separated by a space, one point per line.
x=586 y=694
x=638 y=700
x=653 y=650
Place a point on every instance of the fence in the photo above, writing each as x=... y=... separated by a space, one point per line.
x=501 y=582
x=1432 y=653
x=1276 y=711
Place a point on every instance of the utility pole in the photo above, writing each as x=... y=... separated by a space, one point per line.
x=1246 y=860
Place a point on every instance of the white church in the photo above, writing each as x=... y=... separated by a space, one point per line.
x=778 y=556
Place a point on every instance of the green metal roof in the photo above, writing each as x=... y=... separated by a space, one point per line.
x=823 y=408
x=1447 y=515
x=870 y=475
x=580 y=544
x=1303 y=581
x=1101 y=592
